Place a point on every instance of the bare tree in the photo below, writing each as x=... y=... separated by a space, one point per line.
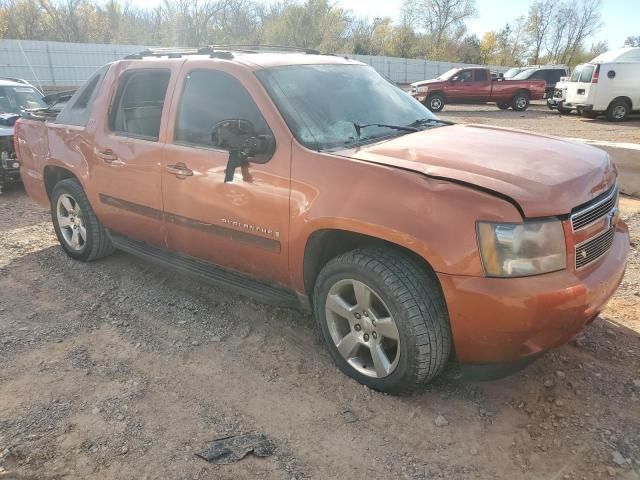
x=441 y=19
x=539 y=22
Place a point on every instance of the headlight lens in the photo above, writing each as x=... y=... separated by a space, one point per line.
x=423 y=89
x=519 y=250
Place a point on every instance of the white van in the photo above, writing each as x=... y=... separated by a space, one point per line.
x=609 y=84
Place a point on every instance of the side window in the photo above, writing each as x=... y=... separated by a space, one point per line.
x=208 y=98
x=138 y=105
x=465 y=76
x=78 y=108
x=481 y=75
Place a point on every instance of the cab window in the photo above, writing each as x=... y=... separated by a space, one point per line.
x=480 y=75
x=138 y=105
x=465 y=76
x=208 y=98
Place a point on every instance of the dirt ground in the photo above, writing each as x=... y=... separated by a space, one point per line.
x=120 y=369
x=540 y=119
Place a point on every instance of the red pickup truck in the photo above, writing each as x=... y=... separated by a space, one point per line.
x=476 y=85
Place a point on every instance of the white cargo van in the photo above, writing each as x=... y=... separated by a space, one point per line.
x=609 y=84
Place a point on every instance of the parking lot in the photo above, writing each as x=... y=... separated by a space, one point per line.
x=538 y=118
x=122 y=369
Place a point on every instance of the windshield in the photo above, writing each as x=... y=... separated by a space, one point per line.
x=325 y=106
x=16 y=99
x=576 y=73
x=448 y=74
x=512 y=72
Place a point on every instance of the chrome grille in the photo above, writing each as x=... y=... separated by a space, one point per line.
x=594 y=248
x=596 y=210
x=557 y=93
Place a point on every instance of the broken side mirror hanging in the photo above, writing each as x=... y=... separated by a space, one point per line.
x=238 y=136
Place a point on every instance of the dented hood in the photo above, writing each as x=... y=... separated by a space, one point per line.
x=544 y=175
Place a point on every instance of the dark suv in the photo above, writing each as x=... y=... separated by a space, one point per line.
x=550 y=73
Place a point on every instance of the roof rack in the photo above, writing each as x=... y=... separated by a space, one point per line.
x=216 y=51
x=266 y=48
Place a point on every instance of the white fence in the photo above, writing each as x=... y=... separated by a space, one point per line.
x=57 y=64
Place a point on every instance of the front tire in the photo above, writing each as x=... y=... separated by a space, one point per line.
x=503 y=106
x=435 y=102
x=383 y=319
x=618 y=111
x=520 y=102
x=79 y=231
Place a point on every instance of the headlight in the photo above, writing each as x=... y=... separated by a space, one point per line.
x=423 y=89
x=522 y=249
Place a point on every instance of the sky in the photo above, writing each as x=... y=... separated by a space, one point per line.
x=621 y=17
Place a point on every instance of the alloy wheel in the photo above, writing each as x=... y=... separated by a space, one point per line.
x=362 y=328
x=71 y=222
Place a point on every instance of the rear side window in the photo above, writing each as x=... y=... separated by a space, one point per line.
x=208 y=98
x=137 y=109
x=78 y=109
x=481 y=76
x=575 y=76
x=587 y=73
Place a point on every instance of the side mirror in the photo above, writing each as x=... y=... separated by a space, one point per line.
x=454 y=79
x=240 y=138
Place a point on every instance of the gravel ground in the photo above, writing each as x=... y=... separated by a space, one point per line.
x=539 y=118
x=121 y=369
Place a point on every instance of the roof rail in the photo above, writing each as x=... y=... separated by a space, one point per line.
x=179 y=52
x=216 y=51
x=266 y=48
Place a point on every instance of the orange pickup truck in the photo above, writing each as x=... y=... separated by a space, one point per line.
x=310 y=180
x=477 y=85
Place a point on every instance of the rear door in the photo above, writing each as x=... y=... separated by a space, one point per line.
x=581 y=89
x=128 y=154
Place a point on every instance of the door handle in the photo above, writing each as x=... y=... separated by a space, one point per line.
x=108 y=156
x=180 y=170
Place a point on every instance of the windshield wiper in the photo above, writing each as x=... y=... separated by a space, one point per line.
x=429 y=121
x=361 y=126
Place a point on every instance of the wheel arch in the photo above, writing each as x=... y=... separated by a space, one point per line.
x=52 y=174
x=327 y=243
x=622 y=98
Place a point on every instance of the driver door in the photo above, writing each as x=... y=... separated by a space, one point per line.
x=461 y=88
x=242 y=224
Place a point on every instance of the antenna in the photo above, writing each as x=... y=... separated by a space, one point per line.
x=30 y=67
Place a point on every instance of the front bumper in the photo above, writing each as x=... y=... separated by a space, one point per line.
x=9 y=167
x=585 y=107
x=499 y=320
x=554 y=103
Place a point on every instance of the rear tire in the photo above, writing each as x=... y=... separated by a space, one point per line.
x=79 y=231
x=589 y=114
x=618 y=111
x=520 y=102
x=387 y=315
x=564 y=111
x=435 y=102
